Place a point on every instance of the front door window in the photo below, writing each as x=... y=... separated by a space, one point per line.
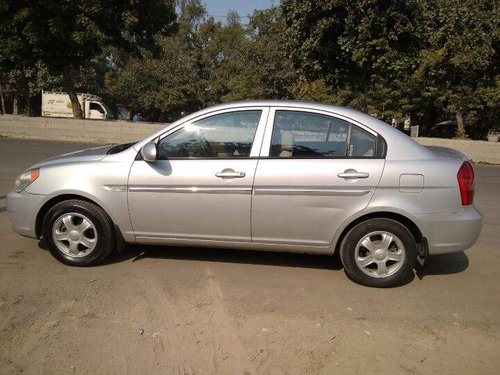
x=224 y=136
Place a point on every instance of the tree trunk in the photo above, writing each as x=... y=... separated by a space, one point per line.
x=14 y=104
x=2 y=100
x=460 y=126
x=70 y=89
x=28 y=100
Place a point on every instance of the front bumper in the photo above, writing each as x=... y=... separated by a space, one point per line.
x=24 y=208
x=447 y=233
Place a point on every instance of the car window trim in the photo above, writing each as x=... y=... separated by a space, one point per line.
x=257 y=139
x=266 y=143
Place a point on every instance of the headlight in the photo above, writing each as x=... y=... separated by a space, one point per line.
x=26 y=179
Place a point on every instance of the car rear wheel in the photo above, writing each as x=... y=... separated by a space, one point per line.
x=78 y=233
x=379 y=253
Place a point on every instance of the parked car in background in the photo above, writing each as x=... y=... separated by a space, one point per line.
x=263 y=175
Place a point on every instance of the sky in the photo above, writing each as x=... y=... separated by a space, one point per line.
x=243 y=7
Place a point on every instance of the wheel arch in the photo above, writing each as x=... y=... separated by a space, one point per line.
x=120 y=242
x=408 y=223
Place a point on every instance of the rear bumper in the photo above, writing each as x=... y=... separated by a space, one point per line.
x=447 y=233
x=24 y=208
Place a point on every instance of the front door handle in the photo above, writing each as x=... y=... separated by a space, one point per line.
x=352 y=174
x=229 y=173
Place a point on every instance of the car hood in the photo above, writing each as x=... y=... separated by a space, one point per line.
x=91 y=154
x=446 y=152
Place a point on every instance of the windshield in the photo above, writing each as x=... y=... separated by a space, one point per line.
x=106 y=108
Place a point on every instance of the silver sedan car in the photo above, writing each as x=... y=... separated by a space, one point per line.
x=263 y=175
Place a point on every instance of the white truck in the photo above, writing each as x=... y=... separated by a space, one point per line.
x=58 y=104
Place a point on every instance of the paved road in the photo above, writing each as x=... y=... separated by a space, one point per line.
x=173 y=310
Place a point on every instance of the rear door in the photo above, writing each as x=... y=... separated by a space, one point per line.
x=315 y=171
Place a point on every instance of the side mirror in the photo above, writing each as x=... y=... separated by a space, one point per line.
x=149 y=152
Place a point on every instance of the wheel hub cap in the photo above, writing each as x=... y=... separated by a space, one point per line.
x=379 y=254
x=74 y=235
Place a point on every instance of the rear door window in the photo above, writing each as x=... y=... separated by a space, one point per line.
x=298 y=134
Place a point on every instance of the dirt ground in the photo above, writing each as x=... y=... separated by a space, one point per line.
x=210 y=311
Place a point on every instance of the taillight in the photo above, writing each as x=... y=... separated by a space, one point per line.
x=466 y=183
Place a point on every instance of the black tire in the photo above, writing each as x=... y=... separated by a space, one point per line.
x=83 y=247
x=388 y=263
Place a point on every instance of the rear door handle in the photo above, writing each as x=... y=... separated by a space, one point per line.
x=352 y=174
x=229 y=173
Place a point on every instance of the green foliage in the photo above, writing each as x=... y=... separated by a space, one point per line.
x=315 y=91
x=23 y=84
x=272 y=63
x=68 y=35
x=155 y=85
x=458 y=68
x=430 y=58
x=434 y=59
x=71 y=33
x=364 y=51
x=207 y=62
x=167 y=79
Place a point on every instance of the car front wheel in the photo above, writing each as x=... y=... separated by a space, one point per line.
x=379 y=253
x=78 y=233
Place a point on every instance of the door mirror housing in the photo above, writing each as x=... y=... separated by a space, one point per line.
x=149 y=152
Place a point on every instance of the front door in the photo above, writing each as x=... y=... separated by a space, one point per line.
x=200 y=187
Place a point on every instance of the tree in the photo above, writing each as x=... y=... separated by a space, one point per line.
x=167 y=79
x=356 y=48
x=249 y=62
x=430 y=58
x=2 y=100
x=68 y=35
x=157 y=85
x=22 y=86
x=277 y=75
x=206 y=62
x=458 y=68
